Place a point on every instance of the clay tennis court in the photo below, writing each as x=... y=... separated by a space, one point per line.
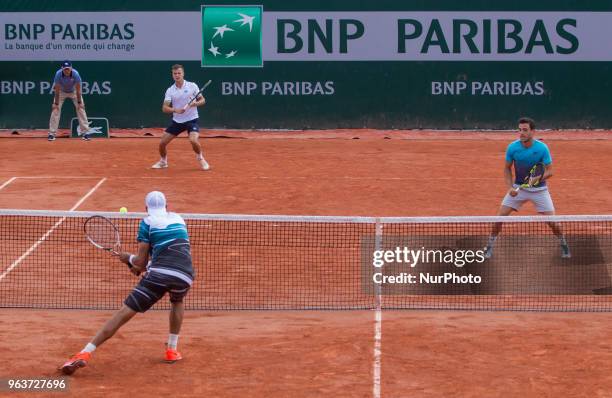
x=311 y=353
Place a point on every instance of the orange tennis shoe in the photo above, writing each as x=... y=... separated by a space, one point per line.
x=77 y=361
x=172 y=355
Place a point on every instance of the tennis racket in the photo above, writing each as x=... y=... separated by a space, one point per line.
x=197 y=94
x=533 y=178
x=103 y=234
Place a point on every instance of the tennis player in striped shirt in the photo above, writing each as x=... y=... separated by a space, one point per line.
x=163 y=236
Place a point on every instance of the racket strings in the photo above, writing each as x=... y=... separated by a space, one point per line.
x=102 y=233
x=536 y=174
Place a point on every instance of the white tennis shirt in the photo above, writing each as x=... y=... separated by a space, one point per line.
x=179 y=97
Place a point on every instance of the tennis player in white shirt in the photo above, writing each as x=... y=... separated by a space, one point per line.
x=184 y=116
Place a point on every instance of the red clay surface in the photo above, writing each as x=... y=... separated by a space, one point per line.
x=234 y=354
x=429 y=135
x=313 y=177
x=310 y=354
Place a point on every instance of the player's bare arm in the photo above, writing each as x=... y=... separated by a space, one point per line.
x=508 y=174
x=548 y=172
x=168 y=108
x=200 y=101
x=509 y=179
x=139 y=261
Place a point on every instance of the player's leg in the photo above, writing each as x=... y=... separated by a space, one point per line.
x=176 y=321
x=194 y=138
x=558 y=232
x=177 y=294
x=106 y=332
x=496 y=229
x=508 y=205
x=166 y=139
x=144 y=295
x=502 y=212
x=544 y=206
x=112 y=325
x=176 y=317
x=56 y=113
x=171 y=133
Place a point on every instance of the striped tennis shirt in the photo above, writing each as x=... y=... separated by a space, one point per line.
x=170 y=249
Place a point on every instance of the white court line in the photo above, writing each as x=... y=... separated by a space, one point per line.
x=66 y=177
x=8 y=182
x=49 y=232
x=87 y=195
x=377 y=321
x=377 y=353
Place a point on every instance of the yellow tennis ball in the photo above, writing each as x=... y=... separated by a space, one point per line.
x=123 y=210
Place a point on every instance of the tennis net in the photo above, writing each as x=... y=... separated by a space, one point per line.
x=291 y=262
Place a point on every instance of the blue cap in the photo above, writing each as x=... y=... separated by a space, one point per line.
x=66 y=64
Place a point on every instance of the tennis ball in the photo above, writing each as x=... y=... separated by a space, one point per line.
x=123 y=210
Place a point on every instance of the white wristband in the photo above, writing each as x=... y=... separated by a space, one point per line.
x=131 y=259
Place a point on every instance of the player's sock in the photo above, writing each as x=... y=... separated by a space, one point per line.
x=565 y=250
x=164 y=159
x=89 y=348
x=173 y=341
x=199 y=156
x=489 y=247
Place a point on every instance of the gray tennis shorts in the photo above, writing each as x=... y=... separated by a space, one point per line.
x=152 y=288
x=541 y=199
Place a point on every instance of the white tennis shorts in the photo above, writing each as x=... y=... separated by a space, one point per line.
x=541 y=199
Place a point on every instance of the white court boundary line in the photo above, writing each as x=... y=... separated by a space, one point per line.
x=49 y=232
x=377 y=321
x=7 y=182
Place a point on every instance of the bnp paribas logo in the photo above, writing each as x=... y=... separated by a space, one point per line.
x=231 y=36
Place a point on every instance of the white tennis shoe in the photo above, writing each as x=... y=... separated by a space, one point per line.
x=488 y=251
x=204 y=164
x=162 y=164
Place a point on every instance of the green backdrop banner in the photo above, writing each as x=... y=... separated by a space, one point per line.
x=316 y=65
